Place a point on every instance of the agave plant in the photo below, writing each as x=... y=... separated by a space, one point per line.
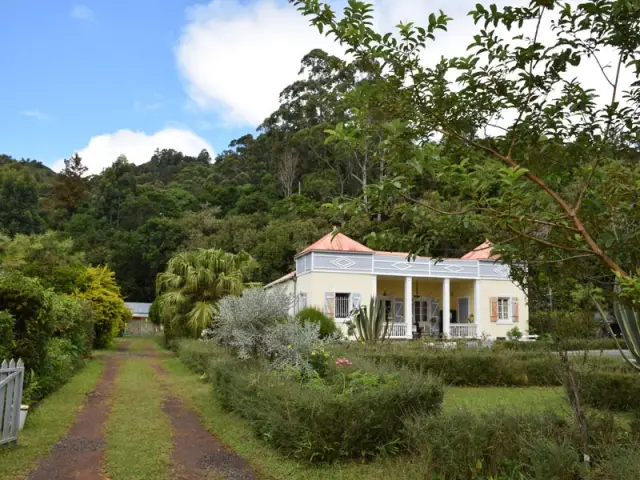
x=629 y=321
x=372 y=324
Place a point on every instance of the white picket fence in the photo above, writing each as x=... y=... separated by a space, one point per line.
x=11 y=380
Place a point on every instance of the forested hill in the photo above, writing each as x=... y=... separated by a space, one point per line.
x=269 y=195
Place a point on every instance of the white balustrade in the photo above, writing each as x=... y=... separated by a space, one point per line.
x=463 y=330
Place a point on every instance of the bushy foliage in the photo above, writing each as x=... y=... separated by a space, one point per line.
x=30 y=304
x=7 y=338
x=566 y=324
x=327 y=327
x=62 y=359
x=241 y=323
x=290 y=344
x=355 y=413
x=50 y=257
x=473 y=367
x=110 y=313
x=617 y=391
x=464 y=444
x=197 y=354
x=193 y=283
x=547 y=345
x=72 y=319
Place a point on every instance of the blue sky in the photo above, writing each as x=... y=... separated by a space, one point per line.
x=106 y=77
x=75 y=71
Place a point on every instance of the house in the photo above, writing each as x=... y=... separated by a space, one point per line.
x=140 y=323
x=336 y=274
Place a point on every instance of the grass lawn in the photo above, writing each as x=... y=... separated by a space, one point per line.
x=138 y=434
x=48 y=423
x=529 y=399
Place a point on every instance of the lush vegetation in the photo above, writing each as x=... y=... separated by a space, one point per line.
x=54 y=309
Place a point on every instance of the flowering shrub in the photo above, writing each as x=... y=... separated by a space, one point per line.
x=343 y=361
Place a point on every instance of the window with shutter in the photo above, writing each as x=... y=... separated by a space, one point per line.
x=515 y=313
x=329 y=307
x=494 y=309
x=342 y=305
x=302 y=302
x=355 y=301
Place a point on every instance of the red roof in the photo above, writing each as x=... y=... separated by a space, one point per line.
x=481 y=252
x=288 y=276
x=336 y=243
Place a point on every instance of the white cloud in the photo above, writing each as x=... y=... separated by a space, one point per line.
x=237 y=57
x=83 y=13
x=37 y=114
x=103 y=150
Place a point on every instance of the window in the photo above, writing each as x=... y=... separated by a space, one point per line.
x=342 y=305
x=503 y=309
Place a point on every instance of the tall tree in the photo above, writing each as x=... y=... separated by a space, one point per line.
x=70 y=187
x=19 y=203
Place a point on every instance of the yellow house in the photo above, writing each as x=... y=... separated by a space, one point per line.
x=336 y=274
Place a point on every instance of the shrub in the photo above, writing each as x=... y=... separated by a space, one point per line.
x=7 y=340
x=72 y=319
x=566 y=324
x=611 y=390
x=313 y=315
x=354 y=414
x=241 y=322
x=110 y=313
x=569 y=344
x=291 y=344
x=62 y=360
x=473 y=367
x=514 y=334
x=464 y=445
x=30 y=305
x=196 y=354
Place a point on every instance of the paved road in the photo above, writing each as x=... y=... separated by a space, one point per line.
x=604 y=353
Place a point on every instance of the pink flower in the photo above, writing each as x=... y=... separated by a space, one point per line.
x=343 y=361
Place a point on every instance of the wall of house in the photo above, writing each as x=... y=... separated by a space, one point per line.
x=317 y=284
x=502 y=288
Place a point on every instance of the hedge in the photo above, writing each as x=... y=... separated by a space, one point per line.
x=569 y=344
x=357 y=412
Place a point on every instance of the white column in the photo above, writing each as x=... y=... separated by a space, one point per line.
x=408 y=304
x=476 y=308
x=446 y=307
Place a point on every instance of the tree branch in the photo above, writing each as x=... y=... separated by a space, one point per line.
x=530 y=93
x=547 y=243
x=437 y=210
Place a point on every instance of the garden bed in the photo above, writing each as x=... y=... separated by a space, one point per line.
x=355 y=410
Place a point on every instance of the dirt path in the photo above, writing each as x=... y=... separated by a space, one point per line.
x=198 y=455
x=79 y=455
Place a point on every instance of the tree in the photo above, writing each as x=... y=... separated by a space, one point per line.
x=50 y=257
x=19 y=203
x=70 y=187
x=192 y=284
x=523 y=143
x=288 y=169
x=103 y=295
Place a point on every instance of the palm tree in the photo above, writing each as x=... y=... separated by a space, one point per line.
x=192 y=284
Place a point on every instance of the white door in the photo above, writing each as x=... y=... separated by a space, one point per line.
x=463 y=310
